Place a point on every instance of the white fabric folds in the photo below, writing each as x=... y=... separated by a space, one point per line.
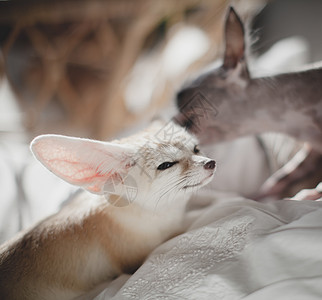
x=235 y=249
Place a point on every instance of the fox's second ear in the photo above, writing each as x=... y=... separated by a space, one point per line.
x=234 y=40
x=86 y=163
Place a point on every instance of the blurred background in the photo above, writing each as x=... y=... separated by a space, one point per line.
x=94 y=68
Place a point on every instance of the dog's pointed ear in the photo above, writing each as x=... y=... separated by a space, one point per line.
x=234 y=40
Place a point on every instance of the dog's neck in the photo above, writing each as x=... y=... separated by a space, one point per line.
x=296 y=91
x=290 y=103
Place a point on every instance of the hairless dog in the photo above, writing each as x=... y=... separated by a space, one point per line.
x=226 y=103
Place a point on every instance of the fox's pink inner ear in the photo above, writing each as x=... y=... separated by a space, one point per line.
x=86 y=163
x=234 y=40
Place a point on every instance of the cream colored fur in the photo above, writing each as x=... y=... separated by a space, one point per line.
x=91 y=241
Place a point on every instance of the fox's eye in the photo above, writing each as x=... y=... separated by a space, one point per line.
x=196 y=150
x=166 y=165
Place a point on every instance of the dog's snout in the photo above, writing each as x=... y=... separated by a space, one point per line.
x=210 y=165
x=181 y=99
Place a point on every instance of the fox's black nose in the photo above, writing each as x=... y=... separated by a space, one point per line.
x=210 y=165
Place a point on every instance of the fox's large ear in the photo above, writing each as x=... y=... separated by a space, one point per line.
x=234 y=40
x=82 y=162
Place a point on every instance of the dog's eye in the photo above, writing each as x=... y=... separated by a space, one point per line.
x=166 y=165
x=196 y=150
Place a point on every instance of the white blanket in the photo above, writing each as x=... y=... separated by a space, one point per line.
x=235 y=249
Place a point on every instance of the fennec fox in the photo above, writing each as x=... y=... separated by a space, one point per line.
x=148 y=177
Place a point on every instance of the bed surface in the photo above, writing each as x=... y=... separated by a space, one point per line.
x=235 y=249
